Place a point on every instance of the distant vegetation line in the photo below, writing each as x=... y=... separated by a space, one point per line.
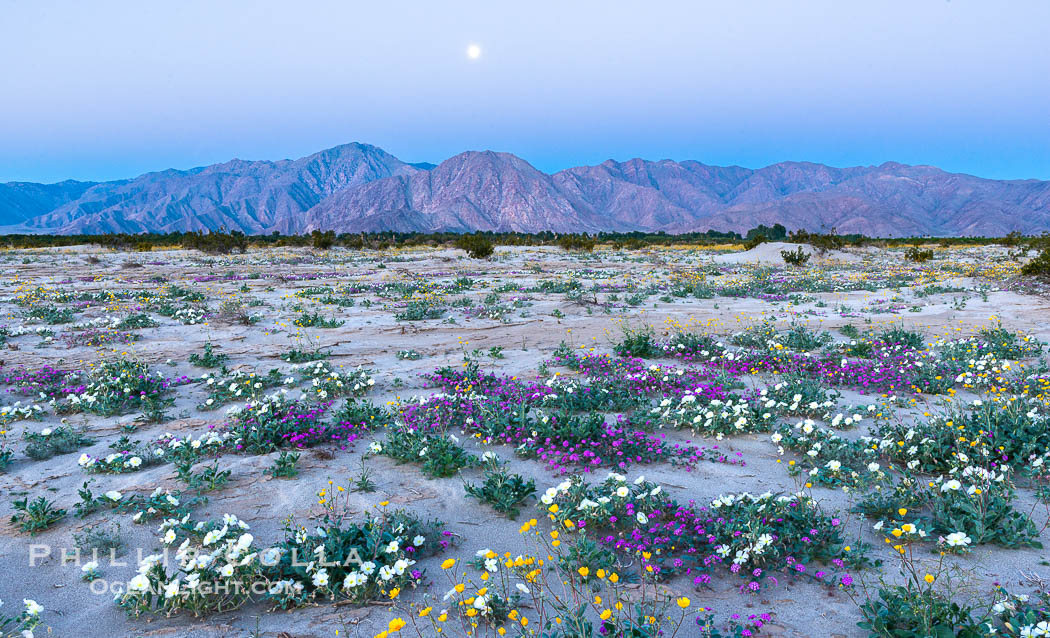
x=222 y=242
x=482 y=244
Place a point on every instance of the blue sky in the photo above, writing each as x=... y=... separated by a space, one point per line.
x=104 y=90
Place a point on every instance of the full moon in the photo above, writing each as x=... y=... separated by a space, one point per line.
x=473 y=52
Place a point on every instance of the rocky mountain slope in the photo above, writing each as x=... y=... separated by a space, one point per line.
x=357 y=187
x=254 y=197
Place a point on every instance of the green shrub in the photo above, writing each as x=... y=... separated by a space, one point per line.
x=137 y=321
x=797 y=257
x=585 y=552
x=53 y=441
x=505 y=492
x=822 y=242
x=907 y=611
x=96 y=538
x=50 y=314
x=900 y=336
x=576 y=243
x=440 y=455
x=322 y=240
x=89 y=503
x=638 y=343
x=797 y=337
x=216 y=243
x=476 y=246
x=1004 y=344
x=420 y=310
x=284 y=466
x=317 y=320
x=752 y=242
x=36 y=515
x=918 y=255
x=304 y=356
x=205 y=480
x=208 y=358
x=1038 y=267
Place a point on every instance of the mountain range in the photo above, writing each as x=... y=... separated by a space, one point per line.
x=359 y=187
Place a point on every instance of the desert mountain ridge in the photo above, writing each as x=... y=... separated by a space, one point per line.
x=358 y=187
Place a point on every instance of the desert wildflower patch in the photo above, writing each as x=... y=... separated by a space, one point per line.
x=595 y=440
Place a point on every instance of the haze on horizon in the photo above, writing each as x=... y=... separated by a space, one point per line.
x=108 y=90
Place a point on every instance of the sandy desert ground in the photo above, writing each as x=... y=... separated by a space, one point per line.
x=709 y=372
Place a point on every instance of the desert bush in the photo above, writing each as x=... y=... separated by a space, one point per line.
x=95 y=539
x=239 y=385
x=904 y=611
x=797 y=337
x=918 y=255
x=640 y=342
x=822 y=242
x=322 y=240
x=476 y=246
x=576 y=243
x=1038 y=267
x=755 y=241
x=1003 y=344
x=797 y=257
x=209 y=478
x=161 y=504
x=218 y=243
x=234 y=312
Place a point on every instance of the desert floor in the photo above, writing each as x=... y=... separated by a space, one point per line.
x=519 y=309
